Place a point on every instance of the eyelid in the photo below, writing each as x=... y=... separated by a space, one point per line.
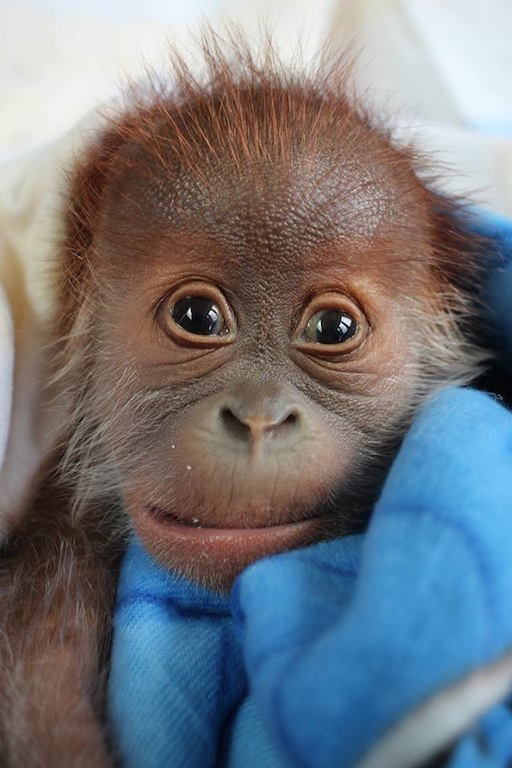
x=326 y=301
x=185 y=338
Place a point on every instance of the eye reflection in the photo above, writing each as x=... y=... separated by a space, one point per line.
x=198 y=315
x=330 y=326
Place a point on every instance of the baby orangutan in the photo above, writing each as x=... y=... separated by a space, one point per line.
x=257 y=290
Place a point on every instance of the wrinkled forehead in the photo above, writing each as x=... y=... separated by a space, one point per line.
x=275 y=212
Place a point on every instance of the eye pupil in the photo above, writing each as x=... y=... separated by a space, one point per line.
x=199 y=315
x=331 y=326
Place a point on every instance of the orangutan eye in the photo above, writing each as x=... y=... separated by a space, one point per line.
x=330 y=326
x=198 y=315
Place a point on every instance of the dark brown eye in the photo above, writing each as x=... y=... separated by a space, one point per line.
x=198 y=315
x=330 y=326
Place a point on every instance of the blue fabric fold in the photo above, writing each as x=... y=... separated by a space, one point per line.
x=321 y=652
x=431 y=601
x=176 y=669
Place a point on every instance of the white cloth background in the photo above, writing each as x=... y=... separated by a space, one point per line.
x=442 y=66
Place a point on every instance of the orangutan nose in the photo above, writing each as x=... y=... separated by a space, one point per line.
x=252 y=414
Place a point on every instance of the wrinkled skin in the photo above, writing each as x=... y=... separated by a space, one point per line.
x=257 y=429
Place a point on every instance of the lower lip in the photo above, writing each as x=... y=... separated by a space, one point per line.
x=255 y=541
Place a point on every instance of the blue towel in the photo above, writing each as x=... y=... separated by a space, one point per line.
x=321 y=655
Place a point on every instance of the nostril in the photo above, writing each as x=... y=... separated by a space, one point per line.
x=286 y=425
x=233 y=426
x=290 y=421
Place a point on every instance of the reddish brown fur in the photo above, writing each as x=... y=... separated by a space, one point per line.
x=57 y=587
x=241 y=121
